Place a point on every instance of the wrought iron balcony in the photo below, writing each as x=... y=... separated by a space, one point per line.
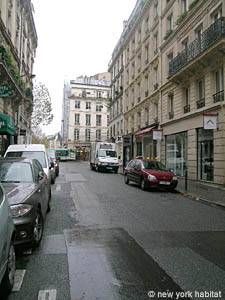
x=219 y=96
x=209 y=37
x=187 y=108
x=200 y=103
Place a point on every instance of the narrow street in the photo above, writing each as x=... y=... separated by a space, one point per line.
x=107 y=240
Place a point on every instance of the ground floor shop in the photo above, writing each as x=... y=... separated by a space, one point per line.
x=189 y=147
x=7 y=132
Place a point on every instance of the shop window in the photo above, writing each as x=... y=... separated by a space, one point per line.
x=176 y=153
x=205 y=154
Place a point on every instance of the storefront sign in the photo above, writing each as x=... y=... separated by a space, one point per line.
x=157 y=135
x=5 y=91
x=210 y=120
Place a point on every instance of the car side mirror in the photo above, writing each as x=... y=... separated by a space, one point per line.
x=41 y=175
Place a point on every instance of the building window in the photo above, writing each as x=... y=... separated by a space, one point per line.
x=146 y=116
x=77 y=104
x=200 y=93
x=186 y=97
x=88 y=119
x=88 y=105
x=84 y=94
x=184 y=6
x=171 y=106
x=87 y=135
x=176 y=153
x=219 y=86
x=77 y=119
x=205 y=154
x=169 y=59
x=146 y=85
x=98 y=107
x=198 y=33
x=155 y=43
x=98 y=134
x=155 y=9
x=155 y=112
x=99 y=94
x=98 y=120
x=76 y=134
x=219 y=80
x=216 y=14
x=170 y=22
x=146 y=53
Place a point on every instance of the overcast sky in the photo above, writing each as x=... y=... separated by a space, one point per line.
x=75 y=37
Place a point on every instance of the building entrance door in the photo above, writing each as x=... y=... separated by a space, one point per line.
x=205 y=155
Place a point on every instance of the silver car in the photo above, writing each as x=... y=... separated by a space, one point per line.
x=7 y=252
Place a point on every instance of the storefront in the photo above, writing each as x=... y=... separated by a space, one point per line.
x=127 y=149
x=7 y=132
x=176 y=152
x=146 y=146
x=205 y=152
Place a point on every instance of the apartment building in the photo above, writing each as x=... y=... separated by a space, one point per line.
x=85 y=112
x=192 y=88
x=173 y=85
x=18 y=43
x=135 y=67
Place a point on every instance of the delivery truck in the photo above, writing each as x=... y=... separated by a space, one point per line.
x=103 y=157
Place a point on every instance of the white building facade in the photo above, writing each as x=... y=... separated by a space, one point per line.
x=85 y=114
x=18 y=43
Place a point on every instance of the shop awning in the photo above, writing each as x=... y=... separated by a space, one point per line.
x=144 y=131
x=7 y=125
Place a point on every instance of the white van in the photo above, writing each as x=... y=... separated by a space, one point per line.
x=36 y=151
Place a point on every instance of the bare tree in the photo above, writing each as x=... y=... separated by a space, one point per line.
x=42 y=106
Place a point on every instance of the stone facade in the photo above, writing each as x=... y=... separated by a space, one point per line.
x=172 y=79
x=18 y=43
x=85 y=112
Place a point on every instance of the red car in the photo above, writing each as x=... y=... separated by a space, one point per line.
x=150 y=173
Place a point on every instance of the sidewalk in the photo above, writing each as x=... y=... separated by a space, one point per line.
x=203 y=191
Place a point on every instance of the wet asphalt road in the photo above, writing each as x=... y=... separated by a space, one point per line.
x=106 y=240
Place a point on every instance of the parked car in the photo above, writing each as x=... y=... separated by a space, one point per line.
x=54 y=159
x=150 y=173
x=7 y=252
x=36 y=151
x=27 y=188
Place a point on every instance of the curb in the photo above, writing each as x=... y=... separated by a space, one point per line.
x=200 y=199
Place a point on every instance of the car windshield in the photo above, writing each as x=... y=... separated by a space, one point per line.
x=154 y=165
x=15 y=172
x=51 y=153
x=105 y=153
x=39 y=155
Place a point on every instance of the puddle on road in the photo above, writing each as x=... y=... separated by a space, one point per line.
x=109 y=264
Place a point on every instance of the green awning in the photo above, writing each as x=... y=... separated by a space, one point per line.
x=7 y=125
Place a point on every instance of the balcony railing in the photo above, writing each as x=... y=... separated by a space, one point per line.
x=219 y=96
x=187 y=108
x=210 y=36
x=200 y=103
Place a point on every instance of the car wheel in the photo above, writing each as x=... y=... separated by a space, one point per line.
x=38 y=229
x=8 y=279
x=143 y=184
x=97 y=168
x=126 y=180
